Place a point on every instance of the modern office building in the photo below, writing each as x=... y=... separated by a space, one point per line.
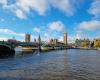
x=27 y=37
x=65 y=38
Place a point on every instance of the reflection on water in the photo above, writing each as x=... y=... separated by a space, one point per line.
x=54 y=65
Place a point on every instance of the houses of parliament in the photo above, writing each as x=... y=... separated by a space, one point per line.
x=51 y=41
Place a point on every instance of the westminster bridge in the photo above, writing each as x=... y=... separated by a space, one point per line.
x=7 y=48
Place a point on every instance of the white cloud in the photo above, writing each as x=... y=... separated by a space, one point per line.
x=86 y=28
x=46 y=34
x=22 y=7
x=95 y=8
x=3 y=2
x=8 y=31
x=20 y=14
x=71 y=39
x=2 y=20
x=78 y=34
x=16 y=10
x=60 y=39
x=46 y=37
x=36 y=29
x=66 y=6
x=39 y=6
x=89 y=25
x=57 y=26
x=3 y=39
x=20 y=34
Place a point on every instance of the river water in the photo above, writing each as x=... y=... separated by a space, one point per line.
x=69 y=64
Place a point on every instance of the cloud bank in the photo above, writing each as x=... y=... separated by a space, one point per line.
x=95 y=9
x=89 y=25
x=21 y=8
x=57 y=26
x=10 y=32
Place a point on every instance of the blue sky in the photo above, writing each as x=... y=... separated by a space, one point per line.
x=50 y=19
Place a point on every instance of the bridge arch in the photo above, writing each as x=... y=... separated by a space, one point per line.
x=6 y=46
x=6 y=50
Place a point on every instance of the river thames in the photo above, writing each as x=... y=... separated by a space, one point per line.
x=71 y=64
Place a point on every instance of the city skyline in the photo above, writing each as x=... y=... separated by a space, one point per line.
x=50 y=19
